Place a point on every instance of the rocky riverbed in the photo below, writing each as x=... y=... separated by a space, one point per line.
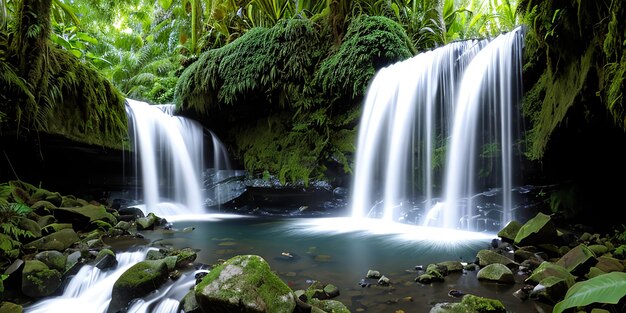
x=47 y=237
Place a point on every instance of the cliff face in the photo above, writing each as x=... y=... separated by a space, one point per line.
x=574 y=100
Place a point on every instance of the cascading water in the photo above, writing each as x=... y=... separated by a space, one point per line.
x=170 y=151
x=430 y=105
x=90 y=291
x=170 y=155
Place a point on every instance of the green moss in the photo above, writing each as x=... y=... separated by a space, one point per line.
x=371 y=42
x=482 y=305
x=253 y=279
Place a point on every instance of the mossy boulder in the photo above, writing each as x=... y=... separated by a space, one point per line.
x=53 y=259
x=496 y=272
x=578 y=260
x=43 y=207
x=105 y=259
x=29 y=225
x=550 y=290
x=83 y=216
x=487 y=257
x=538 y=230
x=333 y=306
x=547 y=269
x=510 y=230
x=244 y=283
x=38 y=280
x=59 y=241
x=137 y=281
x=148 y=222
x=471 y=303
x=451 y=266
x=10 y=307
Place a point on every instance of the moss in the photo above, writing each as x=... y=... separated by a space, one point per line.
x=371 y=42
x=256 y=280
x=88 y=107
x=482 y=305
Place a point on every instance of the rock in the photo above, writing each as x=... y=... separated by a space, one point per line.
x=38 y=280
x=137 y=281
x=189 y=304
x=53 y=259
x=451 y=266
x=46 y=220
x=148 y=222
x=470 y=303
x=487 y=257
x=609 y=264
x=599 y=250
x=538 y=230
x=55 y=227
x=578 y=260
x=59 y=241
x=550 y=290
x=43 y=207
x=383 y=281
x=106 y=259
x=244 y=283
x=329 y=306
x=10 y=307
x=373 y=274
x=331 y=291
x=80 y=217
x=547 y=269
x=29 y=225
x=510 y=230
x=496 y=272
x=184 y=257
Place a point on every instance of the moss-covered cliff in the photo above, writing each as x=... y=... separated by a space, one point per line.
x=284 y=100
x=574 y=80
x=47 y=89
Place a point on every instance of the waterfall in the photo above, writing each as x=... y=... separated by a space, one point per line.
x=421 y=119
x=91 y=288
x=169 y=152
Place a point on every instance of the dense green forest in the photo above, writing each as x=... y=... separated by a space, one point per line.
x=281 y=81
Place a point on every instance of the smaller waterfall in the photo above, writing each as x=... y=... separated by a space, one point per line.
x=90 y=289
x=169 y=154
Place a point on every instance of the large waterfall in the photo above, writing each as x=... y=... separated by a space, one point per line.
x=438 y=127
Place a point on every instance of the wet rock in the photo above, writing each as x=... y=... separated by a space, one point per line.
x=609 y=264
x=508 y=233
x=470 y=303
x=550 y=290
x=137 y=281
x=487 y=257
x=538 y=230
x=10 y=307
x=189 y=304
x=105 y=259
x=38 y=280
x=547 y=269
x=383 y=281
x=59 y=241
x=244 y=283
x=451 y=266
x=578 y=260
x=496 y=272
x=373 y=274
x=53 y=259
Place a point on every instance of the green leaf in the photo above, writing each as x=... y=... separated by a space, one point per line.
x=606 y=288
x=86 y=38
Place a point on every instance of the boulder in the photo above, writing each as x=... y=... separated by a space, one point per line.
x=105 y=259
x=547 y=269
x=82 y=216
x=510 y=230
x=38 y=280
x=244 y=283
x=538 y=230
x=10 y=307
x=470 y=303
x=550 y=290
x=53 y=259
x=59 y=241
x=137 y=281
x=451 y=266
x=487 y=257
x=496 y=272
x=578 y=260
